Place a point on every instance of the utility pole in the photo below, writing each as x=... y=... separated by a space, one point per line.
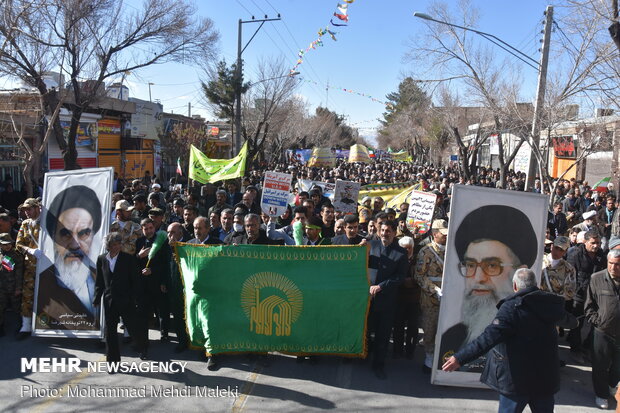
x=150 y=100
x=189 y=109
x=239 y=73
x=540 y=99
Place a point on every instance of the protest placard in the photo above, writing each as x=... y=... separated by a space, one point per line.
x=420 y=213
x=276 y=190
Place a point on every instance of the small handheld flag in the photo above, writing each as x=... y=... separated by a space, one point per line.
x=7 y=263
x=160 y=239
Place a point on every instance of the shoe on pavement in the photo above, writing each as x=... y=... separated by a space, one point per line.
x=212 y=364
x=602 y=403
x=426 y=369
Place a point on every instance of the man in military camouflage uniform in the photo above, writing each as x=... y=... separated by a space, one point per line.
x=11 y=274
x=428 y=275
x=558 y=276
x=129 y=230
x=28 y=244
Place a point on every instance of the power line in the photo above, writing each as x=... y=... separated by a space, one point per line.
x=259 y=7
x=246 y=9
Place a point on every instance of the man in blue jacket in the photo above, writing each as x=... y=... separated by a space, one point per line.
x=522 y=341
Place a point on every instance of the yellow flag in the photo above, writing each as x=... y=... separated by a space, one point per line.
x=206 y=170
x=322 y=158
x=359 y=153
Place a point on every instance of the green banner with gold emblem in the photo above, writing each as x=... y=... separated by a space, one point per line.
x=258 y=298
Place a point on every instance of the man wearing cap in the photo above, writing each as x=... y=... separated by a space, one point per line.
x=157 y=215
x=11 y=277
x=491 y=242
x=128 y=229
x=66 y=289
x=140 y=208
x=28 y=244
x=428 y=275
x=558 y=276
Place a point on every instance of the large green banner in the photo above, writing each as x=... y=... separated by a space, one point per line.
x=204 y=169
x=258 y=298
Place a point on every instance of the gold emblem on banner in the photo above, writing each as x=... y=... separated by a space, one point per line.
x=271 y=302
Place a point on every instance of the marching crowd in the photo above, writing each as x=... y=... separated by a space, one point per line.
x=581 y=263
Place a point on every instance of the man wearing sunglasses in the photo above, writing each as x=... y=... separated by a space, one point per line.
x=491 y=242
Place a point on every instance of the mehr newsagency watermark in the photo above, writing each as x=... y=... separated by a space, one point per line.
x=74 y=365
x=145 y=391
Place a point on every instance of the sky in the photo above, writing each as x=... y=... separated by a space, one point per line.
x=367 y=58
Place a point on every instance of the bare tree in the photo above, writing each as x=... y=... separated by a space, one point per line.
x=265 y=102
x=24 y=124
x=451 y=53
x=581 y=73
x=96 y=41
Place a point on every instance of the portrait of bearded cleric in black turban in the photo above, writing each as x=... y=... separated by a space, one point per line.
x=491 y=243
x=66 y=288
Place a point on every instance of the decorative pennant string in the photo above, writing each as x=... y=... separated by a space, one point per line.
x=342 y=14
x=388 y=105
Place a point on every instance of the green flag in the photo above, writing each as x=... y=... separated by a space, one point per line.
x=258 y=298
x=206 y=170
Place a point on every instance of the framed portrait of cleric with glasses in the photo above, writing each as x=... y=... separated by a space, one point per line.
x=491 y=234
x=75 y=218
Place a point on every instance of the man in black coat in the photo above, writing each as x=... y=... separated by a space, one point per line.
x=155 y=280
x=387 y=268
x=523 y=366
x=119 y=284
x=603 y=311
x=587 y=258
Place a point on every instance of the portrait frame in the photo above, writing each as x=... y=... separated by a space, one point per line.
x=99 y=180
x=465 y=200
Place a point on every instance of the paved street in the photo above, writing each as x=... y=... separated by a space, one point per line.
x=270 y=384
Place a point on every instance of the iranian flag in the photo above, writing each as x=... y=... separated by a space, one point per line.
x=8 y=263
x=179 y=170
x=601 y=186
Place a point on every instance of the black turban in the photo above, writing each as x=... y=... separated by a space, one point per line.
x=501 y=223
x=78 y=196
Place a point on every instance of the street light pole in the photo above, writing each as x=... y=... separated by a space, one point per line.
x=239 y=73
x=542 y=78
x=490 y=37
